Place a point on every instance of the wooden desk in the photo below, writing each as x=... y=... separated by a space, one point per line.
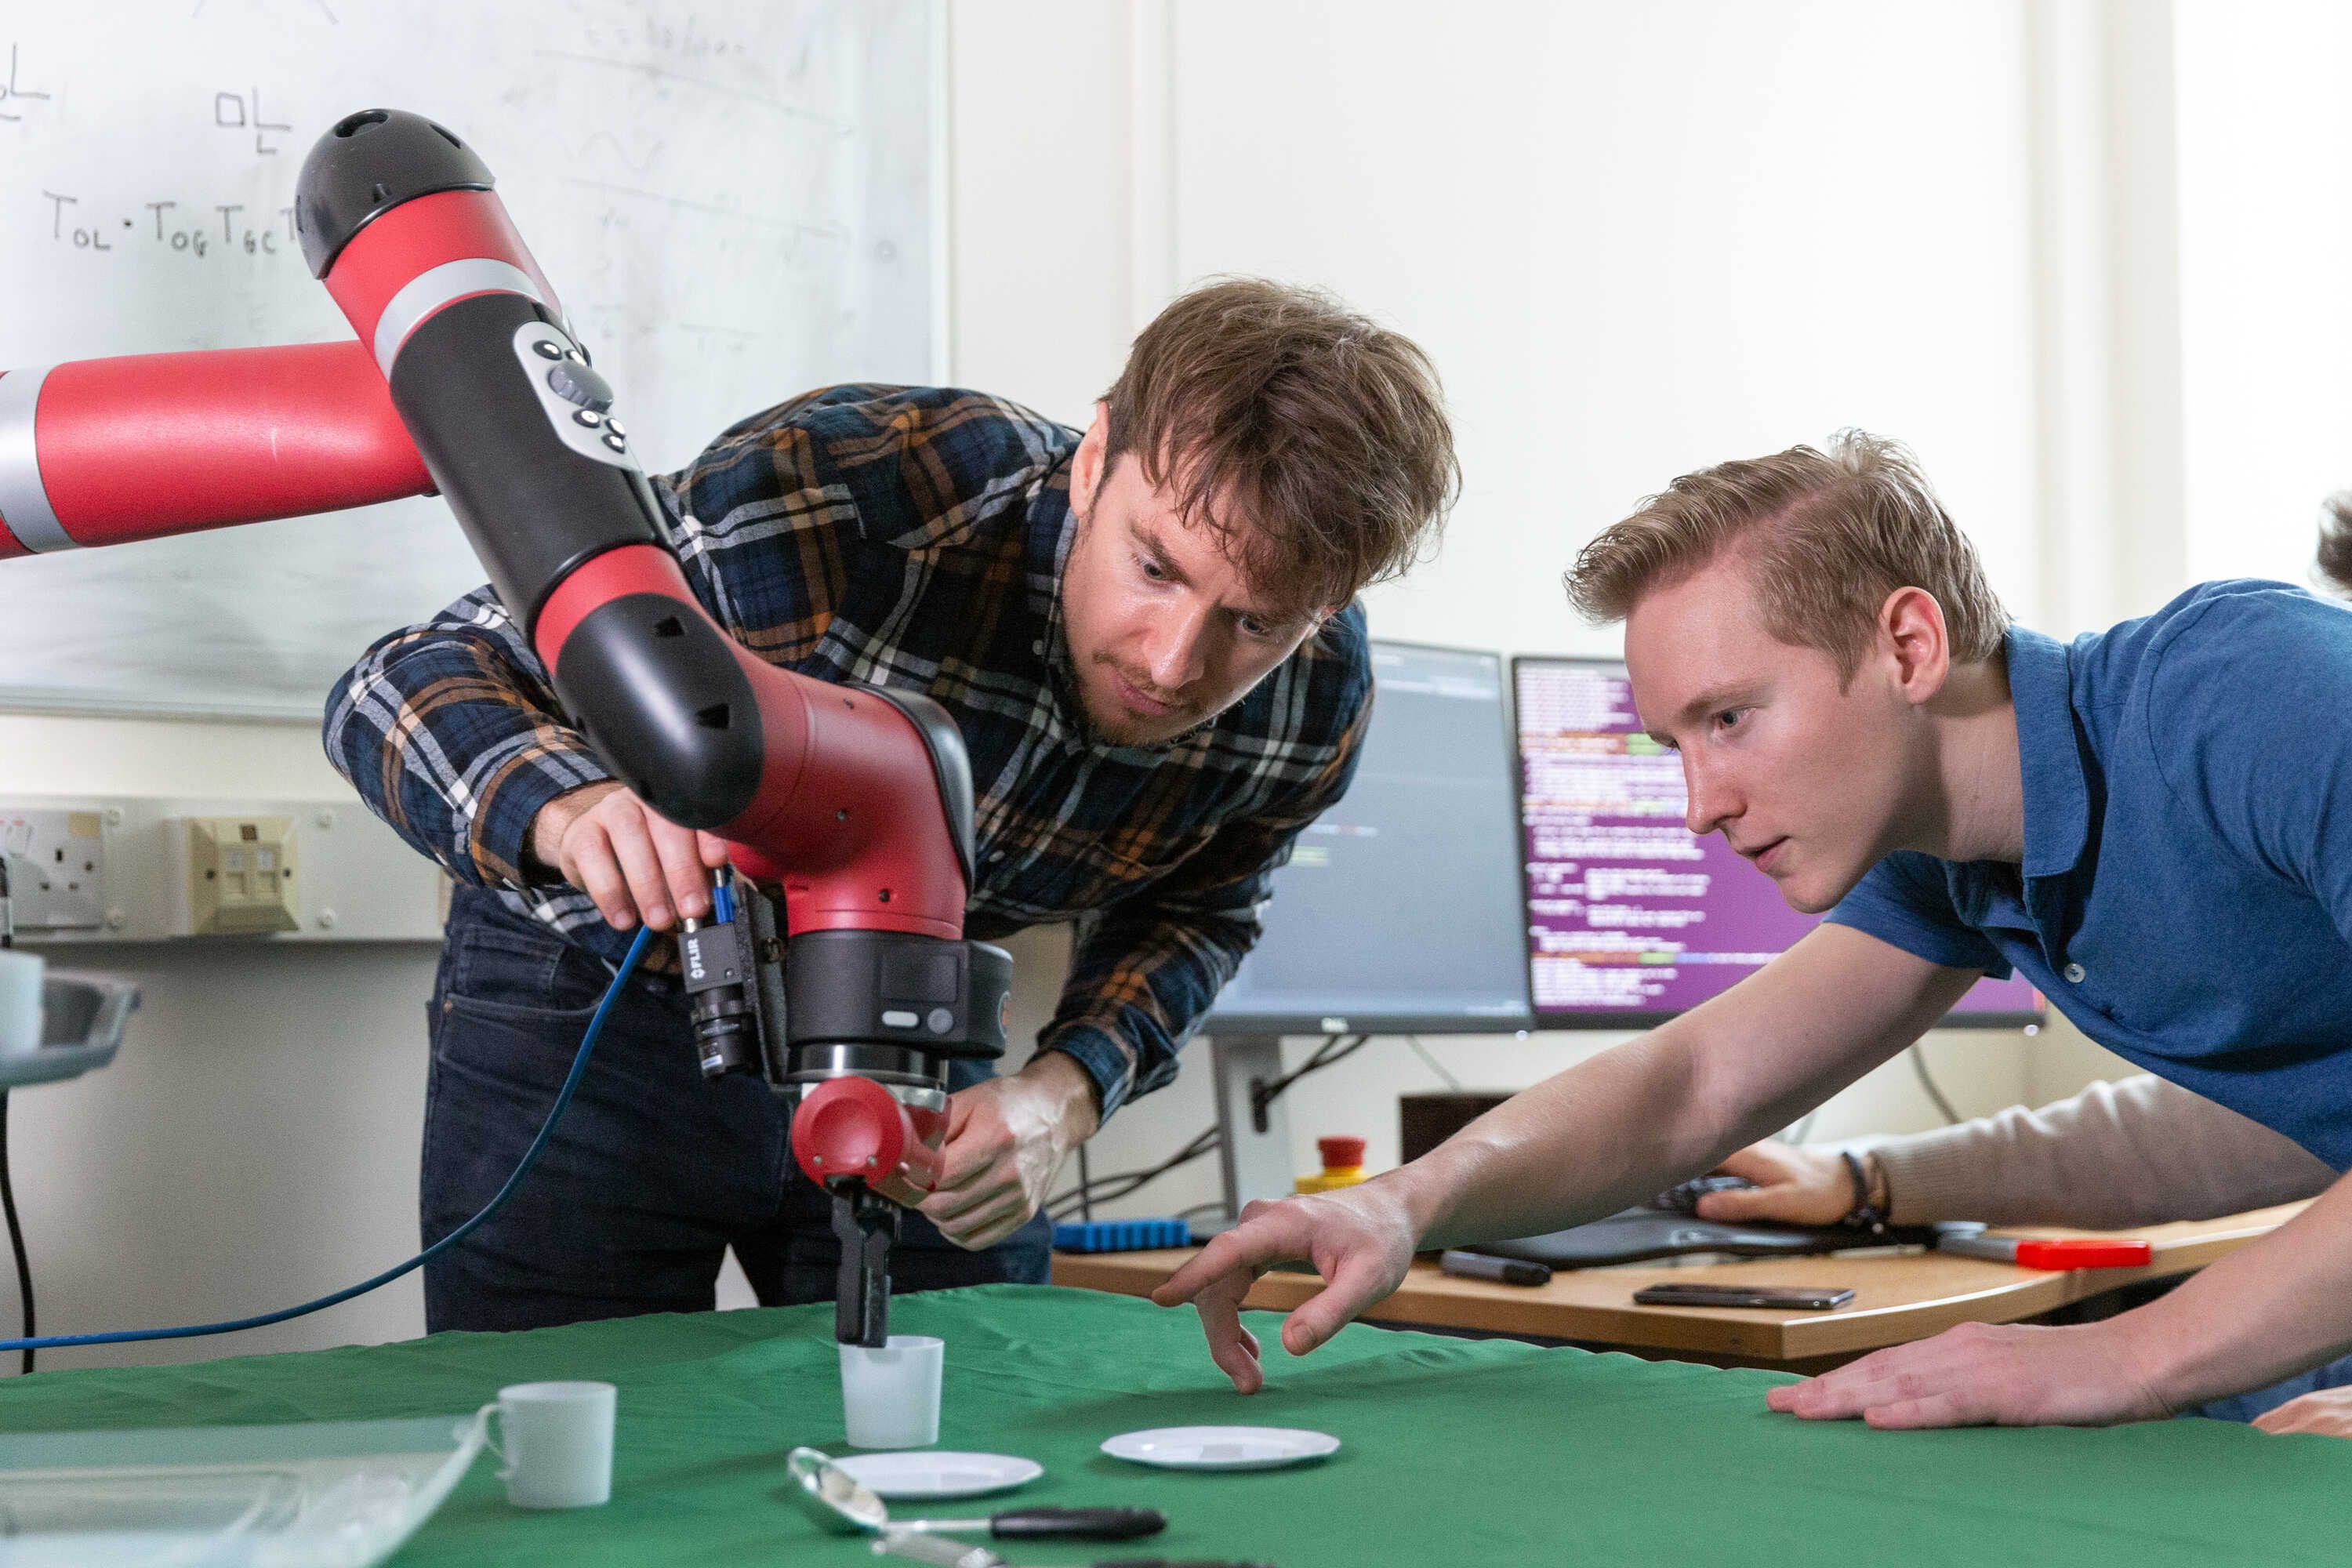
x=1899 y=1295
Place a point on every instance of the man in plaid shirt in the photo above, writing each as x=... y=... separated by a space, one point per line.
x=1147 y=634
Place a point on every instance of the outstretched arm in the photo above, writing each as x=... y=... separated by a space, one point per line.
x=2279 y=1305
x=1585 y=1142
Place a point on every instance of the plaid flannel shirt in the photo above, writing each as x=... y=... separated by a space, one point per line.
x=912 y=538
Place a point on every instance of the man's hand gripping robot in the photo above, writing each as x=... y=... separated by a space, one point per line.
x=848 y=809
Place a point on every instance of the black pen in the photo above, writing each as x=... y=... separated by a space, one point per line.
x=1502 y=1270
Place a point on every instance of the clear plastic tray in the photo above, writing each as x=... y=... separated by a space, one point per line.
x=322 y=1494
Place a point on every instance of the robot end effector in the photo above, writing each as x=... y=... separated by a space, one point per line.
x=848 y=810
x=861 y=1049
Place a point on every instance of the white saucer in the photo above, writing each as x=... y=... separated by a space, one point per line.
x=1222 y=1447
x=926 y=1472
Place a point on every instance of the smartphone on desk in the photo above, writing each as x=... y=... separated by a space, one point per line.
x=1797 y=1297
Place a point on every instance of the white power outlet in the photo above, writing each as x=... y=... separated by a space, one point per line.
x=57 y=869
x=133 y=870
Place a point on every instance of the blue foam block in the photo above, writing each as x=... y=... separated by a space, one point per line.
x=1120 y=1235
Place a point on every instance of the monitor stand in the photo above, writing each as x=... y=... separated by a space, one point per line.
x=1254 y=1155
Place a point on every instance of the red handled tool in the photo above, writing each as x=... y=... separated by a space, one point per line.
x=2054 y=1254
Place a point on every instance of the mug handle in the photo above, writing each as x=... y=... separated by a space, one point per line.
x=489 y=1418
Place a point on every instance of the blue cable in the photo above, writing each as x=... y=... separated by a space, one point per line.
x=530 y=1158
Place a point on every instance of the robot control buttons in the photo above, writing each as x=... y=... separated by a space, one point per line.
x=578 y=383
x=577 y=399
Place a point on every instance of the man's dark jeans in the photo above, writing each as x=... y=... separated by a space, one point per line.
x=655 y=1171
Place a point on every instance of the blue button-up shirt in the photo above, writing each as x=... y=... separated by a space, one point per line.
x=2186 y=895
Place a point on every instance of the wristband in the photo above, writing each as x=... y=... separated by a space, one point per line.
x=1864 y=1215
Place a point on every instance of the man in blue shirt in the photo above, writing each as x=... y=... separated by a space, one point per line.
x=2154 y=824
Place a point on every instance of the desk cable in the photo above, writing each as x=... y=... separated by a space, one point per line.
x=1919 y=1066
x=1123 y=1183
x=7 y=1179
x=16 y=1233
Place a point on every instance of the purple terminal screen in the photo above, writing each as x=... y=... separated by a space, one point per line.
x=1628 y=913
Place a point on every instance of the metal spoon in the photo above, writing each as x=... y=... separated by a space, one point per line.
x=836 y=1500
x=956 y=1555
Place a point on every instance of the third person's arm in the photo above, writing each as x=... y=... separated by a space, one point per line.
x=1587 y=1140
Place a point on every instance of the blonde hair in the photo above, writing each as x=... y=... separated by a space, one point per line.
x=2335 y=541
x=1826 y=536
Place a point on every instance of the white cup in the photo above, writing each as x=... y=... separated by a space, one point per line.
x=890 y=1396
x=20 y=1002
x=557 y=1443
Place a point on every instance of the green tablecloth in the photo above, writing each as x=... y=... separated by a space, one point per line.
x=1456 y=1452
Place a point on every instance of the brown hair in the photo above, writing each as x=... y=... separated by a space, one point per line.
x=1827 y=537
x=1323 y=430
x=2335 y=541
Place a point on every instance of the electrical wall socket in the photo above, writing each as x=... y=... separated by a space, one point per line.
x=235 y=873
x=340 y=874
x=57 y=869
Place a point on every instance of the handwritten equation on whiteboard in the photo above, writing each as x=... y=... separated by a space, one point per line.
x=193 y=234
x=736 y=200
x=196 y=229
x=15 y=95
x=231 y=111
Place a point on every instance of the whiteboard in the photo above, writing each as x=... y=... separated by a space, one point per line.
x=734 y=201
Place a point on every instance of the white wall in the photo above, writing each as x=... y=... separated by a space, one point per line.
x=2266 y=155
x=1637 y=239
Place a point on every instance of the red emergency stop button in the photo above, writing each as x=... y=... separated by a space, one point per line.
x=1340 y=1153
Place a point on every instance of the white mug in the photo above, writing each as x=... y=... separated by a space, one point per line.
x=20 y=1002
x=556 y=1439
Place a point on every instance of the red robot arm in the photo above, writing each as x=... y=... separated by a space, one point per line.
x=854 y=802
x=150 y=444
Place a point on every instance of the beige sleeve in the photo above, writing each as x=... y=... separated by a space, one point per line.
x=2140 y=1151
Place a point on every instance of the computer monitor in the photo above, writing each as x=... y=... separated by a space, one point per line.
x=1399 y=911
x=1631 y=917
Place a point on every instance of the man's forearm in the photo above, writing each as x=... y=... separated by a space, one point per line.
x=2276 y=1306
x=1614 y=1130
x=2140 y=1151
x=1070 y=1091
x=1584 y=1143
x=1138 y=984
